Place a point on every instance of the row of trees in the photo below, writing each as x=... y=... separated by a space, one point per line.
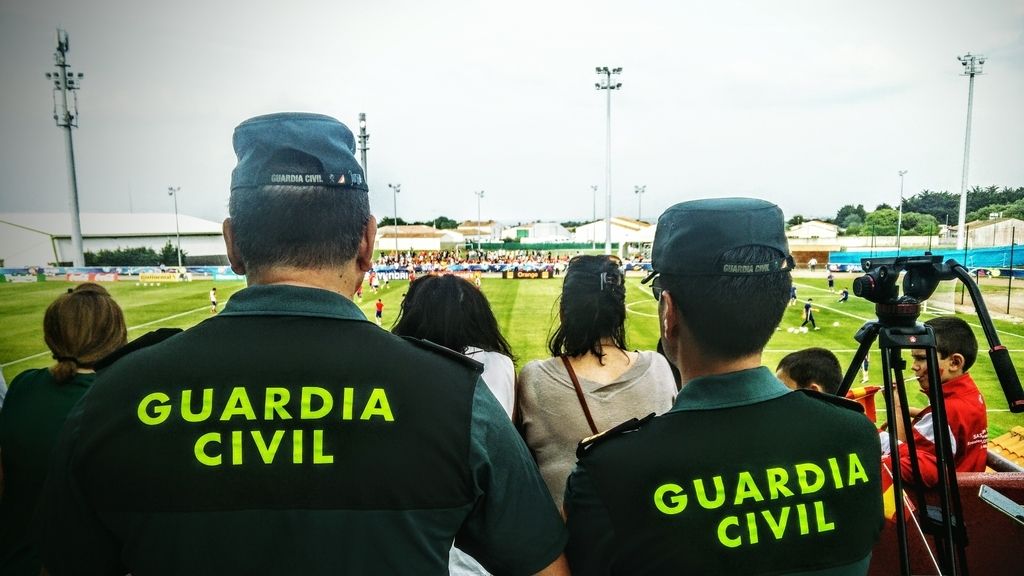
x=168 y=255
x=925 y=211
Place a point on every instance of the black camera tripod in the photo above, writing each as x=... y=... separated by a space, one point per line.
x=895 y=330
x=946 y=527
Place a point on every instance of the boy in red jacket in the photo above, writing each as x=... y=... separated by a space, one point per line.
x=957 y=349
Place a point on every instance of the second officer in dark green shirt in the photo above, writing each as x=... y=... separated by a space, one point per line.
x=742 y=475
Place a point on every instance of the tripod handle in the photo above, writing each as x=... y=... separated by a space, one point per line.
x=1008 y=378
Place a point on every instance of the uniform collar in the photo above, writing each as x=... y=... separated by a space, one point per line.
x=287 y=300
x=959 y=385
x=729 y=390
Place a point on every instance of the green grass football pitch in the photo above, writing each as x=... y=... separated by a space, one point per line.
x=526 y=311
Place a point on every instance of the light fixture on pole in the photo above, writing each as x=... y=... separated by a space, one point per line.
x=607 y=85
x=395 y=189
x=172 y=191
x=479 y=225
x=593 y=225
x=639 y=191
x=364 y=136
x=972 y=65
x=899 y=219
x=65 y=111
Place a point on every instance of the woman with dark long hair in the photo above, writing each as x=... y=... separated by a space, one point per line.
x=452 y=312
x=593 y=381
x=80 y=327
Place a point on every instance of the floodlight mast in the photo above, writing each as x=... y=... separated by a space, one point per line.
x=593 y=223
x=364 y=137
x=972 y=65
x=607 y=85
x=395 y=189
x=65 y=113
x=479 y=225
x=639 y=191
x=173 y=191
x=899 y=220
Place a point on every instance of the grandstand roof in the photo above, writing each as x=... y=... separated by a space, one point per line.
x=58 y=224
x=415 y=231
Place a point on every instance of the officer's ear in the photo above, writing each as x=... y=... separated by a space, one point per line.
x=669 y=315
x=234 y=255
x=364 y=255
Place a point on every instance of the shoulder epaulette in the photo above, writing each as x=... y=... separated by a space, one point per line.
x=631 y=425
x=447 y=353
x=145 y=341
x=833 y=399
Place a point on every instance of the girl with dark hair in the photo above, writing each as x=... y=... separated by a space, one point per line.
x=593 y=382
x=80 y=328
x=454 y=313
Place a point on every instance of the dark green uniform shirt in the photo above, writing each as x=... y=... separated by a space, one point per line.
x=30 y=421
x=742 y=476
x=288 y=435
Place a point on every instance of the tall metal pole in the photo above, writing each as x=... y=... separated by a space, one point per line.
x=65 y=113
x=899 y=220
x=395 y=189
x=1009 y=288
x=593 y=226
x=479 y=224
x=364 y=136
x=607 y=86
x=972 y=66
x=173 y=191
x=639 y=191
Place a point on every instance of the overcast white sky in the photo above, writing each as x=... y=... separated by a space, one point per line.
x=810 y=104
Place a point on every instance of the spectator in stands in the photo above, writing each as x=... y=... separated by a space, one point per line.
x=452 y=312
x=957 y=348
x=80 y=328
x=814 y=369
x=593 y=381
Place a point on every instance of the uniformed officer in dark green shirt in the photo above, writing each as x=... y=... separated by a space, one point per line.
x=742 y=475
x=287 y=434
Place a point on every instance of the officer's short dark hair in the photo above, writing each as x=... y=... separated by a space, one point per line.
x=954 y=336
x=813 y=366
x=299 y=226
x=732 y=316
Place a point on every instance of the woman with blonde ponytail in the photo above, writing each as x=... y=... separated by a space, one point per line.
x=80 y=328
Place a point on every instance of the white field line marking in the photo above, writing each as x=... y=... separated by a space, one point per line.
x=978 y=326
x=630 y=308
x=130 y=328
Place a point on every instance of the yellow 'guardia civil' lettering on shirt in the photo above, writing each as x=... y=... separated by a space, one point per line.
x=315 y=403
x=156 y=408
x=770 y=485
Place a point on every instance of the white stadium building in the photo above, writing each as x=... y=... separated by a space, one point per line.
x=36 y=239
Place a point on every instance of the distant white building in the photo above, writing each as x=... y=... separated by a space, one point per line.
x=623 y=230
x=812 y=230
x=992 y=232
x=538 y=232
x=416 y=238
x=33 y=238
x=483 y=231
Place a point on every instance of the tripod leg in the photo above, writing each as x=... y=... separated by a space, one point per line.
x=894 y=459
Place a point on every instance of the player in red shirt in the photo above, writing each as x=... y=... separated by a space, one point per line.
x=380 y=310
